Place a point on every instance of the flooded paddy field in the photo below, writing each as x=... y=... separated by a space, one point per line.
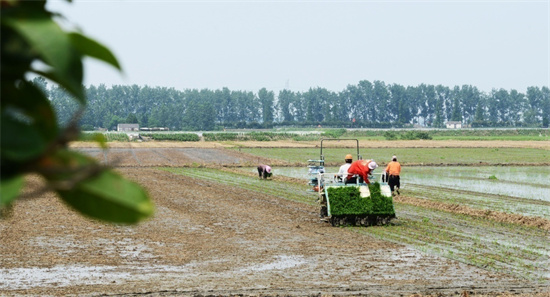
x=219 y=230
x=529 y=182
x=438 y=156
x=512 y=189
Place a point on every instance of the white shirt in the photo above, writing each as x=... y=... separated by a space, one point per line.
x=343 y=172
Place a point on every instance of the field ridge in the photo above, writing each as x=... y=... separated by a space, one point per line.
x=497 y=216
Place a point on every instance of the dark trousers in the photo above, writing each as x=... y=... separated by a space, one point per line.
x=354 y=180
x=393 y=181
x=262 y=172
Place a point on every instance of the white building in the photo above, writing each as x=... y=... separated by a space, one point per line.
x=127 y=127
x=454 y=125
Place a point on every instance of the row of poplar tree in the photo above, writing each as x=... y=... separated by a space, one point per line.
x=366 y=104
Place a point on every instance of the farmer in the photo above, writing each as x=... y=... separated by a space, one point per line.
x=392 y=171
x=361 y=169
x=264 y=171
x=343 y=172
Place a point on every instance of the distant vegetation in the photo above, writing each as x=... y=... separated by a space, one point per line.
x=318 y=134
x=104 y=136
x=364 y=105
x=256 y=136
x=406 y=135
x=452 y=134
x=171 y=136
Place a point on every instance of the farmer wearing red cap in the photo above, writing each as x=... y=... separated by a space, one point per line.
x=362 y=169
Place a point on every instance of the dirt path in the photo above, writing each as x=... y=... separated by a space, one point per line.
x=212 y=239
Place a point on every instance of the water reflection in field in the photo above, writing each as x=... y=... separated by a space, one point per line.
x=523 y=182
x=530 y=182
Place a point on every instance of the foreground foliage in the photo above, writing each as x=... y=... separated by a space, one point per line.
x=32 y=140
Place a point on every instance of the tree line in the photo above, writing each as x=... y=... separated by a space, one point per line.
x=366 y=104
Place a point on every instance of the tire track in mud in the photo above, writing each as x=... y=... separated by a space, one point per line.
x=265 y=187
x=136 y=157
x=373 y=290
x=162 y=155
x=175 y=157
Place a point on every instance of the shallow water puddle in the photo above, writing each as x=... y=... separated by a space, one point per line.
x=71 y=275
x=280 y=262
x=58 y=276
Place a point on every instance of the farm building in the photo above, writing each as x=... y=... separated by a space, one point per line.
x=454 y=125
x=127 y=127
x=154 y=129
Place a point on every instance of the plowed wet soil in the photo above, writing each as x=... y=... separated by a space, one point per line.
x=214 y=239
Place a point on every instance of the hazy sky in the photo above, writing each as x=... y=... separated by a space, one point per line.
x=248 y=45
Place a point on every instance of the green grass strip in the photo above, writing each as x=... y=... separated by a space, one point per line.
x=272 y=187
x=410 y=155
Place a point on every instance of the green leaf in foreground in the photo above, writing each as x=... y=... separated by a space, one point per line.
x=93 y=190
x=20 y=141
x=92 y=48
x=110 y=197
x=9 y=189
x=54 y=47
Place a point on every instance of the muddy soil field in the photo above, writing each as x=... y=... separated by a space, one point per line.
x=214 y=239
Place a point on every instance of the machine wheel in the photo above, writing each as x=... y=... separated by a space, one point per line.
x=324 y=211
x=365 y=221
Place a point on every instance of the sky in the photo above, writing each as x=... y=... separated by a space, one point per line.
x=298 y=45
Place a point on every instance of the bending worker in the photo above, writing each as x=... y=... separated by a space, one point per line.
x=264 y=171
x=393 y=170
x=362 y=169
x=343 y=172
